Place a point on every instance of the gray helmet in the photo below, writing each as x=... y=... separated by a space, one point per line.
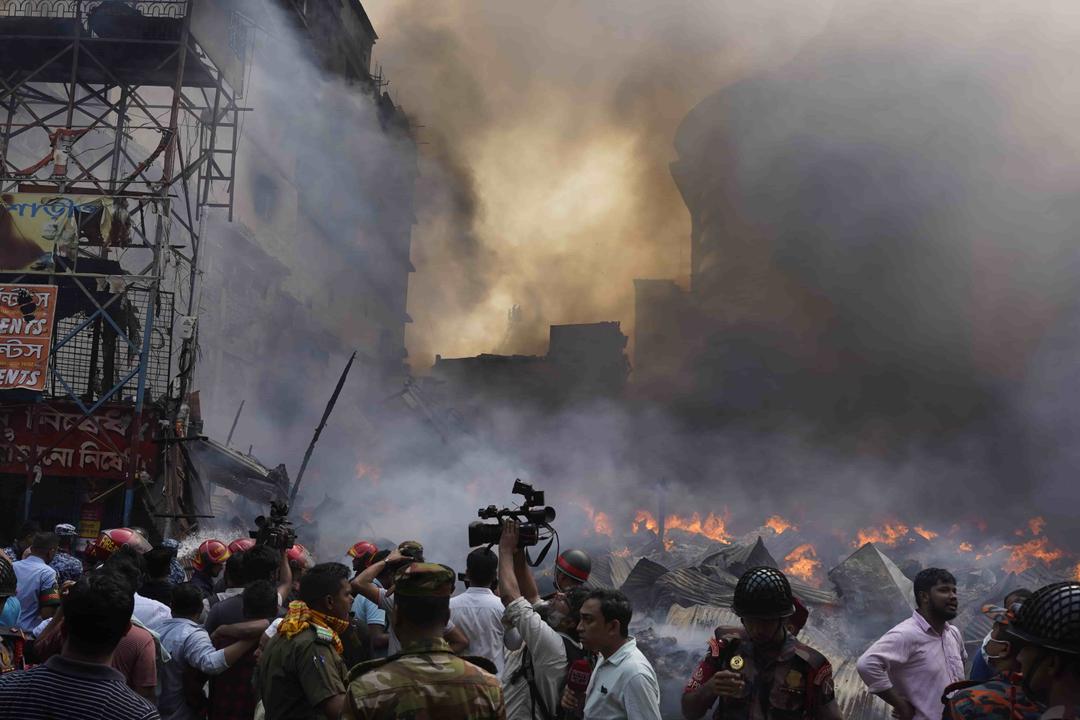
x=763 y=593
x=574 y=564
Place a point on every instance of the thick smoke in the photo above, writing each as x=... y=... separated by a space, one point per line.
x=545 y=183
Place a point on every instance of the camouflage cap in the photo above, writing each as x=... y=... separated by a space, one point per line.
x=412 y=549
x=424 y=580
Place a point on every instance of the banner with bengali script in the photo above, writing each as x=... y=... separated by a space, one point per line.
x=27 y=314
x=33 y=225
x=63 y=443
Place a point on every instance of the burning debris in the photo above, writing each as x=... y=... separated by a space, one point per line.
x=681 y=577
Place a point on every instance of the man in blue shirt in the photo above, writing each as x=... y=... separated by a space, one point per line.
x=11 y=609
x=371 y=614
x=38 y=591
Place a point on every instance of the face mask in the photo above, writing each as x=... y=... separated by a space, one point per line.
x=988 y=640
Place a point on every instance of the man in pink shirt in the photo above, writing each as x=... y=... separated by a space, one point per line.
x=912 y=664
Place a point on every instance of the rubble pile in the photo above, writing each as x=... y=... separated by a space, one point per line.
x=682 y=589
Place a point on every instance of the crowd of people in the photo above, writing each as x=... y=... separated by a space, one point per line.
x=251 y=630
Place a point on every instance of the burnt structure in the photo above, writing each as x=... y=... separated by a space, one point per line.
x=861 y=249
x=118 y=114
x=584 y=362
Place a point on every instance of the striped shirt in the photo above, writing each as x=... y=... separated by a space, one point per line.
x=63 y=688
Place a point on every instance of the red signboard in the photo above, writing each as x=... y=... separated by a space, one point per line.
x=26 y=327
x=52 y=434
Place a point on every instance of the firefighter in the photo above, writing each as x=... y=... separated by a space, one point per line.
x=208 y=561
x=760 y=671
x=109 y=541
x=572 y=569
x=1047 y=632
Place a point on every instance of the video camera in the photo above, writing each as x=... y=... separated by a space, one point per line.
x=533 y=514
x=276 y=531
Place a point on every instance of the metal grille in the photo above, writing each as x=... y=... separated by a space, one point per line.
x=74 y=361
x=67 y=8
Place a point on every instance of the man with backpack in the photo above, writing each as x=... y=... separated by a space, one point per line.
x=536 y=674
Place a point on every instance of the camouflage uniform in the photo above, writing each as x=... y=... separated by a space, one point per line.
x=296 y=674
x=797 y=683
x=67 y=567
x=425 y=681
x=1002 y=698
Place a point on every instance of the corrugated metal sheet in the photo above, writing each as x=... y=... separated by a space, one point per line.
x=692 y=586
x=742 y=556
x=611 y=571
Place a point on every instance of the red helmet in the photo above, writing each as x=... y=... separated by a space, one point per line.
x=299 y=555
x=109 y=541
x=240 y=545
x=211 y=552
x=363 y=551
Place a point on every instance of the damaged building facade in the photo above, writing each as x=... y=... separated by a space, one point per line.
x=319 y=242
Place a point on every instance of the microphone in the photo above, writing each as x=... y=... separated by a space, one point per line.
x=577 y=682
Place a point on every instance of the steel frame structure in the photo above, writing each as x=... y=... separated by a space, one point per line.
x=130 y=108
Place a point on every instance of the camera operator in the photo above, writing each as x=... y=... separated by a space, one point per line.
x=364 y=584
x=535 y=674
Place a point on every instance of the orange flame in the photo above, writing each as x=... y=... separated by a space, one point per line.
x=622 y=552
x=889 y=535
x=1036 y=525
x=712 y=526
x=779 y=525
x=602 y=524
x=645 y=519
x=370 y=472
x=965 y=547
x=926 y=534
x=803 y=563
x=1076 y=572
x=1035 y=550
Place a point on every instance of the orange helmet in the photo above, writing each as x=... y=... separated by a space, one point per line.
x=211 y=552
x=109 y=541
x=299 y=555
x=240 y=545
x=363 y=551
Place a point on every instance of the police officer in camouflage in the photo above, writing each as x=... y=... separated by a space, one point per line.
x=425 y=681
x=760 y=671
x=301 y=674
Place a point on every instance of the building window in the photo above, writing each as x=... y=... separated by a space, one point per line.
x=265 y=196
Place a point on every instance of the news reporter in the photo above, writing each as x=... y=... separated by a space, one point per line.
x=536 y=672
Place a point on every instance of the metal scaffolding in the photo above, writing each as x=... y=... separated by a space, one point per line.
x=118 y=99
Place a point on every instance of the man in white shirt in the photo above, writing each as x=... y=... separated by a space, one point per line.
x=478 y=611
x=535 y=673
x=623 y=685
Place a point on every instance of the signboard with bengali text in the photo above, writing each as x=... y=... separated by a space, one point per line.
x=72 y=446
x=27 y=314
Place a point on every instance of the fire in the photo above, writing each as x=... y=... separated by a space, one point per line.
x=965 y=547
x=645 y=519
x=779 y=525
x=1035 y=550
x=622 y=552
x=803 y=563
x=601 y=521
x=926 y=534
x=889 y=535
x=712 y=527
x=1036 y=525
x=369 y=472
x=1076 y=572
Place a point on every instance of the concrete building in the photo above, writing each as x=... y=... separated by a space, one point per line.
x=315 y=262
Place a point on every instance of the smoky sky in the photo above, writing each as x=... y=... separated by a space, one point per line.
x=892 y=184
